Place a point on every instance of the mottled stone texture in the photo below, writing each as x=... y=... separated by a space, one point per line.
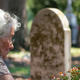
x=47 y=45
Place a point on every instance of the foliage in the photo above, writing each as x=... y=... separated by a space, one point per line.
x=29 y=25
x=36 y=5
x=74 y=75
x=76 y=9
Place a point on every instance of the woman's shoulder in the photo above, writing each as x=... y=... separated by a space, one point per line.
x=3 y=68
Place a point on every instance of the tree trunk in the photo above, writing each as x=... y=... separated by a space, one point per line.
x=18 y=7
x=4 y=4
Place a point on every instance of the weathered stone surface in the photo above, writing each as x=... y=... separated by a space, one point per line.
x=47 y=44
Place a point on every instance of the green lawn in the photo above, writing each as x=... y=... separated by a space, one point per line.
x=20 y=70
x=75 y=52
x=17 y=54
x=23 y=71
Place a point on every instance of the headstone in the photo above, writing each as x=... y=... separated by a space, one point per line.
x=49 y=44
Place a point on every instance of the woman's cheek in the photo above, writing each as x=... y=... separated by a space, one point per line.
x=6 y=44
x=6 y=47
x=6 y=41
x=3 y=53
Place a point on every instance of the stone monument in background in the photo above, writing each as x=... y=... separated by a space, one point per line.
x=72 y=23
x=50 y=42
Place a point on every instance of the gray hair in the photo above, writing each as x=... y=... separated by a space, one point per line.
x=6 y=22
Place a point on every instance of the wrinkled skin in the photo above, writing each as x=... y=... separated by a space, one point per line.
x=6 y=44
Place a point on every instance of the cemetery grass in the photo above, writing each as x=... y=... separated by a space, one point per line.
x=75 y=52
x=17 y=54
x=19 y=70
x=16 y=69
x=75 y=55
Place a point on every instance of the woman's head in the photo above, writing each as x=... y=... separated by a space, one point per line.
x=8 y=26
x=6 y=22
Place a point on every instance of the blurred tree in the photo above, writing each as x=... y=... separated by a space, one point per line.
x=18 y=7
x=4 y=4
x=40 y=4
x=36 y=5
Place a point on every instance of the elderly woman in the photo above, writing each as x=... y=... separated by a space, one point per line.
x=8 y=26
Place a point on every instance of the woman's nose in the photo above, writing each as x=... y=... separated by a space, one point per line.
x=11 y=46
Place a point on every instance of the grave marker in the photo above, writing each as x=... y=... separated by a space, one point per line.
x=49 y=44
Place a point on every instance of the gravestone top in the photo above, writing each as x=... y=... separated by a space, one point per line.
x=48 y=44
